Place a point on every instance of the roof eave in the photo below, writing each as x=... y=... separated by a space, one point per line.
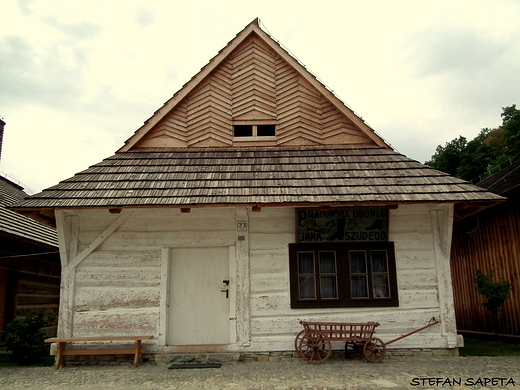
x=466 y=209
x=461 y=210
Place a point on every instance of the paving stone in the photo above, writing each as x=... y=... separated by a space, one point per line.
x=395 y=373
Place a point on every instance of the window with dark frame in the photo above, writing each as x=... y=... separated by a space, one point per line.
x=254 y=131
x=358 y=274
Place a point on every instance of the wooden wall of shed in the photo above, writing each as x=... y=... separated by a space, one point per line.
x=32 y=283
x=118 y=286
x=489 y=241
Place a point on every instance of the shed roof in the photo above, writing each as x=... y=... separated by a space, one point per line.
x=269 y=176
x=505 y=182
x=12 y=223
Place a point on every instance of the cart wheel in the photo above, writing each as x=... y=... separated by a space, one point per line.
x=314 y=347
x=374 y=350
x=353 y=350
x=297 y=342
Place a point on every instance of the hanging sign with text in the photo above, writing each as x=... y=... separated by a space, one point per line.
x=342 y=225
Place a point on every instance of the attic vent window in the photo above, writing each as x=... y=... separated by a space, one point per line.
x=266 y=130
x=254 y=132
x=243 y=130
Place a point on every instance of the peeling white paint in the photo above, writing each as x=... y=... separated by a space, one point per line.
x=120 y=286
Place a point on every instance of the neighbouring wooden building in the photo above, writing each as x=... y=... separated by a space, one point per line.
x=489 y=241
x=252 y=200
x=29 y=259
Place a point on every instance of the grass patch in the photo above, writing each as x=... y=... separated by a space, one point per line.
x=474 y=347
x=5 y=361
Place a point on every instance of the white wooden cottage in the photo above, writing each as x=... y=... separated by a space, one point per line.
x=252 y=200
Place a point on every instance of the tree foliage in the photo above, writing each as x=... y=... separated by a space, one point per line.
x=25 y=338
x=495 y=292
x=469 y=159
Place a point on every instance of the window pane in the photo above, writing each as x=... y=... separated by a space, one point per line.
x=358 y=262
x=265 y=130
x=307 y=287
x=243 y=130
x=379 y=261
x=305 y=263
x=359 y=286
x=380 y=286
x=327 y=262
x=328 y=287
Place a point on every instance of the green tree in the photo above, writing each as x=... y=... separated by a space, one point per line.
x=447 y=158
x=475 y=157
x=511 y=126
x=491 y=147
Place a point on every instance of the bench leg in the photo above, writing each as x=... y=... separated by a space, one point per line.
x=60 y=358
x=137 y=356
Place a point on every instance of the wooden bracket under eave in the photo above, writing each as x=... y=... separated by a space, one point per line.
x=185 y=210
x=115 y=211
x=257 y=209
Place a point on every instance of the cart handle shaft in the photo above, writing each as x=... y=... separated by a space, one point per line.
x=433 y=321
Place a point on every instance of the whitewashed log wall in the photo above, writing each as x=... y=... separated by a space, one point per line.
x=115 y=274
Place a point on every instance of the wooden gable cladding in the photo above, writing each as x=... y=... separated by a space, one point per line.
x=202 y=119
x=254 y=81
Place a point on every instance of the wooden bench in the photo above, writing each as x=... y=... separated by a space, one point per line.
x=61 y=350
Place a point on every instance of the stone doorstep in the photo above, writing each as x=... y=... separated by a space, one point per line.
x=220 y=357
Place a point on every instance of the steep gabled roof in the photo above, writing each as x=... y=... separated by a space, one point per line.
x=252 y=77
x=323 y=154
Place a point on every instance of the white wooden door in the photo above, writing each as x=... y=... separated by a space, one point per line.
x=199 y=310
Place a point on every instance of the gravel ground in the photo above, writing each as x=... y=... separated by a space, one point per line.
x=392 y=373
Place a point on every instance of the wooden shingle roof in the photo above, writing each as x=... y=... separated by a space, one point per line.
x=506 y=182
x=20 y=226
x=275 y=176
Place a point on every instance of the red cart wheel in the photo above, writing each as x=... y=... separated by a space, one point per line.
x=314 y=347
x=374 y=350
x=298 y=340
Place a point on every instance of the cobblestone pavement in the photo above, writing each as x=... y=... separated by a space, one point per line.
x=392 y=373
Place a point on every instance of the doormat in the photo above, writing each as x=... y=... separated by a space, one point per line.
x=194 y=365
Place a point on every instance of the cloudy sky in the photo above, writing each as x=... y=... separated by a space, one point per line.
x=78 y=78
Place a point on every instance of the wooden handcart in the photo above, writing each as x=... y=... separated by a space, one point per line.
x=313 y=343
